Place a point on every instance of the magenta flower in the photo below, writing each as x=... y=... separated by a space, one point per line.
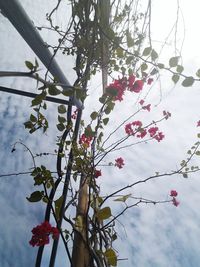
x=119 y=162
x=149 y=81
x=141 y=102
x=159 y=136
x=137 y=86
x=152 y=131
x=85 y=141
x=41 y=234
x=128 y=129
x=116 y=89
x=137 y=123
x=173 y=193
x=147 y=107
x=131 y=81
x=97 y=173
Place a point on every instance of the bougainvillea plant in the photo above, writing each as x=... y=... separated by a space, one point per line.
x=84 y=218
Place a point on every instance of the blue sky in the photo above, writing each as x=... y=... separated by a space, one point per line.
x=155 y=236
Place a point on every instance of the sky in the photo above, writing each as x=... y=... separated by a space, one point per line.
x=149 y=235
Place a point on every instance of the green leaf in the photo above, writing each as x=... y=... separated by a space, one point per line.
x=52 y=90
x=38 y=99
x=89 y=132
x=36 y=196
x=33 y=118
x=104 y=213
x=28 y=124
x=146 y=51
x=154 y=55
x=105 y=121
x=79 y=93
x=129 y=59
x=173 y=62
x=58 y=204
x=188 y=81
x=144 y=66
x=179 y=68
x=185 y=175
x=197 y=153
x=102 y=99
x=111 y=257
x=119 y=52
x=175 y=78
x=61 y=109
x=67 y=92
x=61 y=119
x=94 y=115
x=160 y=65
x=60 y=127
x=198 y=135
x=109 y=108
x=29 y=65
x=130 y=40
x=154 y=71
x=123 y=198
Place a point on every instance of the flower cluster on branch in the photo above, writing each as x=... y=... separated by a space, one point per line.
x=41 y=234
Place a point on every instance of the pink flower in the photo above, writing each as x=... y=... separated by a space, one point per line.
x=152 y=131
x=137 y=86
x=128 y=129
x=119 y=162
x=85 y=141
x=41 y=234
x=97 y=173
x=159 y=136
x=142 y=134
x=141 y=102
x=173 y=193
x=131 y=81
x=137 y=123
x=149 y=81
x=175 y=202
x=147 y=107
x=198 y=123
x=55 y=233
x=116 y=89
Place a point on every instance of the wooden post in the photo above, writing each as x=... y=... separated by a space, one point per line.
x=80 y=253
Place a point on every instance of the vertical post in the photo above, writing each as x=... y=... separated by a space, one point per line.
x=105 y=10
x=80 y=252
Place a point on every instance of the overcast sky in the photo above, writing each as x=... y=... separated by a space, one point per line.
x=155 y=236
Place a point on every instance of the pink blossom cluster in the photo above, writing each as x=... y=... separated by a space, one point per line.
x=41 y=234
x=118 y=87
x=119 y=162
x=85 y=141
x=135 y=128
x=174 y=194
x=97 y=173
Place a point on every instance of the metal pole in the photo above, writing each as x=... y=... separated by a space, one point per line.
x=32 y=95
x=13 y=10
